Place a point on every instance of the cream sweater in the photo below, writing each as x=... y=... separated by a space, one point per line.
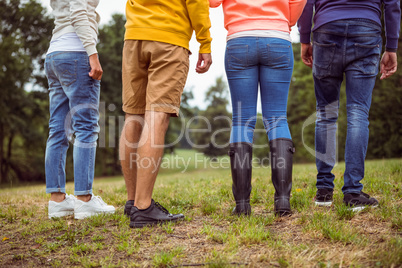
x=77 y=16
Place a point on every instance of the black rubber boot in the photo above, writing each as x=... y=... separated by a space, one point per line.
x=281 y=165
x=241 y=154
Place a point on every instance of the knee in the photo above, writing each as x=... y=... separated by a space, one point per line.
x=244 y=121
x=273 y=122
x=357 y=115
x=357 y=111
x=86 y=135
x=86 y=131
x=157 y=120
x=57 y=136
x=133 y=124
x=327 y=115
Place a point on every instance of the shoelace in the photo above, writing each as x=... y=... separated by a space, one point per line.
x=161 y=208
x=99 y=199
x=70 y=196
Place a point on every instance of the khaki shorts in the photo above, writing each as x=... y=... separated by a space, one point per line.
x=154 y=75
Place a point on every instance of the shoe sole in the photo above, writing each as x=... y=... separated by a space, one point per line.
x=360 y=208
x=60 y=214
x=83 y=215
x=323 y=204
x=143 y=224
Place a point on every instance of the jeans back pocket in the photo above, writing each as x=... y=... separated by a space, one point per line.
x=367 y=58
x=66 y=71
x=237 y=56
x=278 y=56
x=323 y=55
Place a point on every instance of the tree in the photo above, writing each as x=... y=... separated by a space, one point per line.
x=261 y=147
x=25 y=32
x=177 y=125
x=216 y=121
x=385 y=139
x=110 y=47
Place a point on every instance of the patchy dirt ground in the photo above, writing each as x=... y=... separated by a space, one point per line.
x=209 y=236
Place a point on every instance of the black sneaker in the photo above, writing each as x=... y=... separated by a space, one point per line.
x=127 y=207
x=359 y=201
x=155 y=214
x=324 y=197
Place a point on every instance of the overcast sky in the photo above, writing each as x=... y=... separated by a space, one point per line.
x=199 y=82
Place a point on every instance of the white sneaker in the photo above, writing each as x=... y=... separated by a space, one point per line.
x=93 y=207
x=63 y=208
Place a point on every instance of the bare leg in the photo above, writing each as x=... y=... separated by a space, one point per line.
x=150 y=153
x=129 y=139
x=57 y=197
x=84 y=198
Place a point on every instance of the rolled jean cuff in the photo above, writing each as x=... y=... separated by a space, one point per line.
x=55 y=190
x=84 y=144
x=83 y=192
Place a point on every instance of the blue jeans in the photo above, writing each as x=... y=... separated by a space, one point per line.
x=266 y=62
x=353 y=48
x=74 y=115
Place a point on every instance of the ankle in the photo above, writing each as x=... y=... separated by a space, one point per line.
x=84 y=198
x=57 y=197
x=142 y=205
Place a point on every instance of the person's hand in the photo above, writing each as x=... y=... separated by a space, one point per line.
x=389 y=64
x=307 y=54
x=96 y=68
x=204 y=62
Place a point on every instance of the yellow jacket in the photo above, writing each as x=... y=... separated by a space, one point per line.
x=169 y=21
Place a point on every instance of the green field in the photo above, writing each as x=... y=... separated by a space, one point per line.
x=210 y=236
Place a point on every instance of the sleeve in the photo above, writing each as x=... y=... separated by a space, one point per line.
x=296 y=9
x=198 y=11
x=392 y=17
x=215 y=3
x=79 y=20
x=306 y=22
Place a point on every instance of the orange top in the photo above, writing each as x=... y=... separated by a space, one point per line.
x=245 y=15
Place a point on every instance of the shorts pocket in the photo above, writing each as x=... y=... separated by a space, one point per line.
x=237 y=56
x=278 y=56
x=66 y=71
x=323 y=55
x=367 y=58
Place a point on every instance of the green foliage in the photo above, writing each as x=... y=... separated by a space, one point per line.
x=214 y=123
x=175 y=135
x=261 y=147
x=110 y=47
x=301 y=105
x=25 y=31
x=386 y=114
x=166 y=258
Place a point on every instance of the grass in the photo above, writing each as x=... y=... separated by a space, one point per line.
x=210 y=235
